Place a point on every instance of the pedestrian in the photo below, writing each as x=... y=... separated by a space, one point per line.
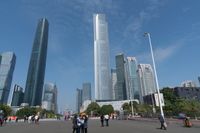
x=81 y=125
x=107 y=119
x=187 y=122
x=36 y=119
x=1 y=119
x=162 y=122
x=85 y=123
x=16 y=120
x=75 y=125
x=102 y=120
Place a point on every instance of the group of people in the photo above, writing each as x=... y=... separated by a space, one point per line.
x=80 y=124
x=32 y=119
x=104 y=118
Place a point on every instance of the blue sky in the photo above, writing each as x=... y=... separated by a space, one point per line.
x=174 y=26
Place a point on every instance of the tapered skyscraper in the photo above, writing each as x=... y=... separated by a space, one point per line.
x=36 y=71
x=101 y=58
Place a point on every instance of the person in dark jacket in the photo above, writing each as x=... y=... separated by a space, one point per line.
x=75 y=126
x=85 y=123
x=102 y=120
x=162 y=122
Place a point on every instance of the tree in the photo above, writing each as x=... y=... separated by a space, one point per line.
x=6 y=110
x=106 y=109
x=93 y=108
x=126 y=107
x=26 y=111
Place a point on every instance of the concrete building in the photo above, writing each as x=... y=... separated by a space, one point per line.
x=78 y=100
x=188 y=83
x=191 y=93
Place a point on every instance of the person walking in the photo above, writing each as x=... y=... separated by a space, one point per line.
x=102 y=120
x=162 y=122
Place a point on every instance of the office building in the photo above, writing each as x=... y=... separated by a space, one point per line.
x=132 y=79
x=120 y=93
x=86 y=92
x=146 y=79
x=101 y=58
x=114 y=83
x=78 y=100
x=18 y=96
x=49 y=101
x=37 y=64
x=7 y=65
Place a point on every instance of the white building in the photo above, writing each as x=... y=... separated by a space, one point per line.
x=101 y=58
x=188 y=83
x=147 y=80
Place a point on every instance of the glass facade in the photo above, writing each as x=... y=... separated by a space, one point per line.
x=36 y=71
x=18 y=96
x=114 y=83
x=7 y=65
x=49 y=101
x=120 y=93
x=78 y=100
x=132 y=81
x=86 y=92
x=147 y=80
x=101 y=58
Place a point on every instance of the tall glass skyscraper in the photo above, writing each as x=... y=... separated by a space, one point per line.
x=132 y=80
x=49 y=101
x=121 y=81
x=101 y=58
x=114 y=83
x=7 y=65
x=147 y=80
x=18 y=96
x=36 y=71
x=78 y=100
x=86 y=92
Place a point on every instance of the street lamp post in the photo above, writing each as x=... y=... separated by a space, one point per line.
x=155 y=73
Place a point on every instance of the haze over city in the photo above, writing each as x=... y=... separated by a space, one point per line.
x=173 y=26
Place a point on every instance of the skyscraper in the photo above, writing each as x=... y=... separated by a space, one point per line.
x=147 y=80
x=121 y=81
x=36 y=71
x=86 y=92
x=7 y=65
x=18 y=96
x=132 y=80
x=101 y=58
x=49 y=101
x=78 y=100
x=114 y=83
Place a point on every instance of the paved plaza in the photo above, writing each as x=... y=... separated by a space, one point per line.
x=116 y=126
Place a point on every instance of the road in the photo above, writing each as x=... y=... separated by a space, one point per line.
x=116 y=126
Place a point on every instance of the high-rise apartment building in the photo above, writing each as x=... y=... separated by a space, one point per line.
x=49 y=101
x=101 y=58
x=120 y=93
x=36 y=70
x=86 y=92
x=147 y=80
x=18 y=96
x=7 y=65
x=132 y=79
x=114 y=83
